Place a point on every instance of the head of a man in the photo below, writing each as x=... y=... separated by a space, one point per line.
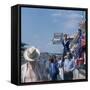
x=60 y=58
x=51 y=59
x=65 y=36
x=69 y=55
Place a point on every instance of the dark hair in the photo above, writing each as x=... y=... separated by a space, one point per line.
x=65 y=35
x=54 y=57
x=51 y=59
x=70 y=55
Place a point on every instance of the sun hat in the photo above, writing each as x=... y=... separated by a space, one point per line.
x=31 y=54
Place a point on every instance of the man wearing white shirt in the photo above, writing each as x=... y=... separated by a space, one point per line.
x=60 y=66
x=69 y=66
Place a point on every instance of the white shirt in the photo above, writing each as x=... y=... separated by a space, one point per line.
x=30 y=73
x=59 y=63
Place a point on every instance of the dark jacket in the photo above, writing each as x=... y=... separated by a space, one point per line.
x=66 y=46
x=53 y=70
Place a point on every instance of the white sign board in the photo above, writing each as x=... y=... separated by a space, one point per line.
x=57 y=38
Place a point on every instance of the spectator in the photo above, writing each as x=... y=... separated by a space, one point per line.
x=53 y=68
x=65 y=43
x=60 y=66
x=69 y=66
x=31 y=71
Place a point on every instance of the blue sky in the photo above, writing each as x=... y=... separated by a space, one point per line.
x=39 y=25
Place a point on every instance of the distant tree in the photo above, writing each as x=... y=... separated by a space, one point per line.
x=23 y=46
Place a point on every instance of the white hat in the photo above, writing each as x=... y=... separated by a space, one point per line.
x=31 y=54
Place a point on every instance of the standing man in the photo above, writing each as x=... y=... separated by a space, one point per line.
x=65 y=43
x=69 y=66
x=60 y=66
x=53 y=68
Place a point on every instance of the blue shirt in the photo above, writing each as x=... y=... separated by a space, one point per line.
x=69 y=65
x=53 y=68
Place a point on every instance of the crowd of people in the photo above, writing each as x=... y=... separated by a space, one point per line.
x=56 y=67
x=73 y=57
x=61 y=70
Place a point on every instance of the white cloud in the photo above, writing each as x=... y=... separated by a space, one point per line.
x=67 y=21
x=66 y=15
x=56 y=14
